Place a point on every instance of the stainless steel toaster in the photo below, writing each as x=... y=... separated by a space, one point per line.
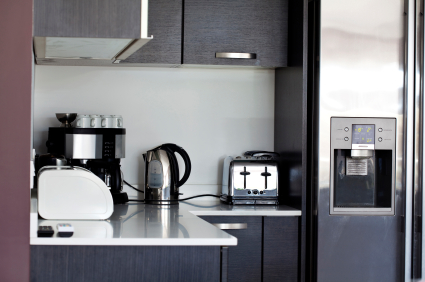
x=251 y=179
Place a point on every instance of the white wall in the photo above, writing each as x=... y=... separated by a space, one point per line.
x=211 y=113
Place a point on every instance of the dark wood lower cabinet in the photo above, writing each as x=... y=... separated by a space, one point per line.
x=124 y=263
x=280 y=249
x=268 y=250
x=244 y=262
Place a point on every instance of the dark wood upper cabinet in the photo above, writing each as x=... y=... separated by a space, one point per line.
x=114 y=19
x=258 y=27
x=87 y=18
x=192 y=32
x=165 y=24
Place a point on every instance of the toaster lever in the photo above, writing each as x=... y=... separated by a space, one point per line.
x=244 y=173
x=266 y=174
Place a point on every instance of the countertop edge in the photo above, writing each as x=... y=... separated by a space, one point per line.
x=133 y=242
x=245 y=213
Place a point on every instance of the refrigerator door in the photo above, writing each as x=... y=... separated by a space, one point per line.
x=361 y=75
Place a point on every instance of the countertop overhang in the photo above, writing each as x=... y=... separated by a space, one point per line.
x=138 y=224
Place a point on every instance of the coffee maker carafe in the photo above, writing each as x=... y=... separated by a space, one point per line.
x=162 y=174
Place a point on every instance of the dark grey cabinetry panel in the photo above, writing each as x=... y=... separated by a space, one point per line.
x=244 y=260
x=238 y=26
x=280 y=249
x=124 y=263
x=165 y=24
x=87 y=18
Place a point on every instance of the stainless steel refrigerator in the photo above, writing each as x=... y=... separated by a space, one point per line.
x=367 y=145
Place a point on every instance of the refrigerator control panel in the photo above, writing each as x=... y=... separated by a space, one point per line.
x=363 y=133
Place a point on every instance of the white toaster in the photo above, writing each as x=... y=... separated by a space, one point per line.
x=72 y=193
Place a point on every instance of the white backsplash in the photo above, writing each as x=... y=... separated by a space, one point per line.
x=211 y=113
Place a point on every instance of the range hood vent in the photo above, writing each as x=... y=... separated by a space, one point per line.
x=106 y=49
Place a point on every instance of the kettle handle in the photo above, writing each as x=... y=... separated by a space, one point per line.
x=173 y=148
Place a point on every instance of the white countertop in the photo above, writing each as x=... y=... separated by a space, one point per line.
x=139 y=224
x=216 y=207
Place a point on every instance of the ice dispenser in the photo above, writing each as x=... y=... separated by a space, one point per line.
x=362 y=166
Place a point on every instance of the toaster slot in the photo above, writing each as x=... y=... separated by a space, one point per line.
x=254 y=176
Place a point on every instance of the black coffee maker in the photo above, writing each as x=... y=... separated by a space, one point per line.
x=97 y=149
x=109 y=171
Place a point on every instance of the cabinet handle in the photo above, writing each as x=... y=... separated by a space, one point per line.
x=228 y=55
x=224 y=226
x=143 y=18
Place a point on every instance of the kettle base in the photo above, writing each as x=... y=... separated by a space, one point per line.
x=161 y=202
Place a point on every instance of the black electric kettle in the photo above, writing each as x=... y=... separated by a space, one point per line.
x=162 y=174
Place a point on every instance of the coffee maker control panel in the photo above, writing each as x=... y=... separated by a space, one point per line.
x=108 y=149
x=113 y=146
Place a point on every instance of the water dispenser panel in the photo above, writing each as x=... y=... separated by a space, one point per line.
x=362 y=166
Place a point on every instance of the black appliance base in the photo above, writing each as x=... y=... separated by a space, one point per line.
x=119 y=198
x=231 y=200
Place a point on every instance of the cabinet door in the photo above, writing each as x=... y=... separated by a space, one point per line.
x=87 y=18
x=124 y=263
x=236 y=26
x=244 y=262
x=165 y=24
x=280 y=249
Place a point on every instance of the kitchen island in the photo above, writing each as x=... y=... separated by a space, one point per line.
x=139 y=240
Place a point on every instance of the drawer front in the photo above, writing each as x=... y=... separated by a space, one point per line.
x=244 y=259
x=250 y=32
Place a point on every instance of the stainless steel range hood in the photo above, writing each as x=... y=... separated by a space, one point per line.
x=65 y=50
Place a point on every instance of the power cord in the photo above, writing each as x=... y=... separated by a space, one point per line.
x=141 y=191
x=197 y=196
x=185 y=199
x=126 y=183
